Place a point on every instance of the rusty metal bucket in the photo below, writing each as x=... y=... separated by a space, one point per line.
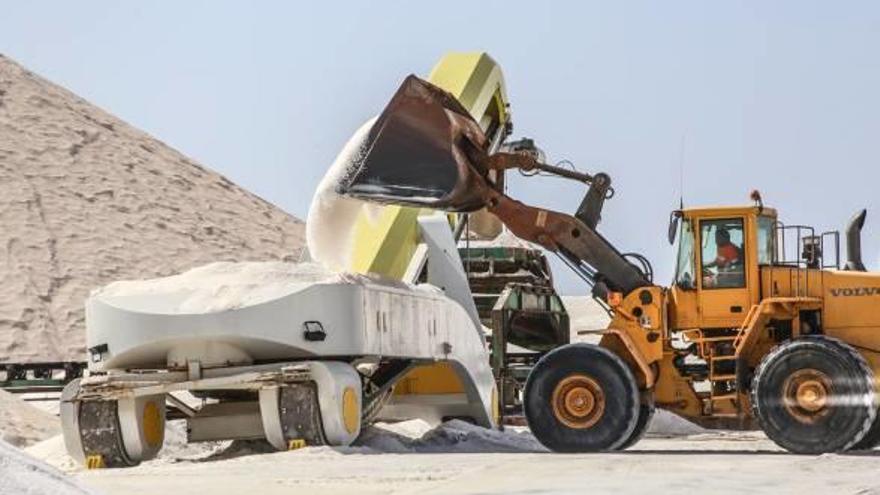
x=424 y=150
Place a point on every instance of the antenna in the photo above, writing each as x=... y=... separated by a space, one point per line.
x=681 y=171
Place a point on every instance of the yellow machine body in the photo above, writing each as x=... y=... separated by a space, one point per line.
x=776 y=302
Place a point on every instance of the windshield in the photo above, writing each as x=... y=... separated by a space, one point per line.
x=722 y=253
x=684 y=271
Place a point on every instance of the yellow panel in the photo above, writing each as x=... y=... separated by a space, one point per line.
x=437 y=378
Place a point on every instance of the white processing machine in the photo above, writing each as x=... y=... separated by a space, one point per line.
x=315 y=362
x=309 y=367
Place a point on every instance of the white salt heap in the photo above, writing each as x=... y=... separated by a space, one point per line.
x=22 y=424
x=221 y=286
x=86 y=199
x=453 y=436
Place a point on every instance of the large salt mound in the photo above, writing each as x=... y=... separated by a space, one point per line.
x=86 y=199
x=22 y=424
x=21 y=474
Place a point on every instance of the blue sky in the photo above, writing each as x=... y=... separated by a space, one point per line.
x=779 y=96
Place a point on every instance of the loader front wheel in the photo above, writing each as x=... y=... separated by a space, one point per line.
x=814 y=395
x=646 y=414
x=581 y=398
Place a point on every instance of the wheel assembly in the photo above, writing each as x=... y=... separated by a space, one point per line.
x=325 y=410
x=814 y=395
x=582 y=398
x=112 y=433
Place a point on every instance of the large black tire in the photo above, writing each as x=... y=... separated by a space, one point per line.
x=814 y=395
x=561 y=377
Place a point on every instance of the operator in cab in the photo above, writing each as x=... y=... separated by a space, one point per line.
x=727 y=262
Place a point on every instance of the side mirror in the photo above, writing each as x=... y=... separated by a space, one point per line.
x=674 y=219
x=686 y=282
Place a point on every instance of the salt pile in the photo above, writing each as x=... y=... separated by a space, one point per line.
x=21 y=474
x=86 y=199
x=22 y=424
x=667 y=424
x=416 y=436
x=221 y=286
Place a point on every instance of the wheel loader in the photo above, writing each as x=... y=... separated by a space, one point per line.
x=761 y=326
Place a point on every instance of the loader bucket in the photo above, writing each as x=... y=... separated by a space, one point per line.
x=424 y=150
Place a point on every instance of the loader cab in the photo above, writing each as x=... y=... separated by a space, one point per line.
x=719 y=251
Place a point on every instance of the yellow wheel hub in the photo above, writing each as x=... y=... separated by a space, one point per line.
x=806 y=395
x=350 y=411
x=811 y=395
x=578 y=401
x=153 y=424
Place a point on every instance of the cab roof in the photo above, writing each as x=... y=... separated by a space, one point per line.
x=722 y=211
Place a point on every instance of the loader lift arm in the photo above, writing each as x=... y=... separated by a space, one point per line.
x=573 y=238
x=426 y=150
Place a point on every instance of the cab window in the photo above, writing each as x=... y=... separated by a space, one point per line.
x=722 y=253
x=684 y=271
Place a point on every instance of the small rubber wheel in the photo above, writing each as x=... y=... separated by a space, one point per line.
x=814 y=395
x=646 y=414
x=581 y=398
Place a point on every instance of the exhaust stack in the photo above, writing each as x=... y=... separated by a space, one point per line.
x=854 y=242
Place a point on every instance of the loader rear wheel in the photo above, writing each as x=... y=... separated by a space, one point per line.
x=581 y=398
x=814 y=395
x=871 y=439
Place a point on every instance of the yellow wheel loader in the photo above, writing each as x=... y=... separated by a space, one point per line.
x=761 y=326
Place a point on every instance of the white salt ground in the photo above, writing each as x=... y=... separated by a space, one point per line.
x=405 y=437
